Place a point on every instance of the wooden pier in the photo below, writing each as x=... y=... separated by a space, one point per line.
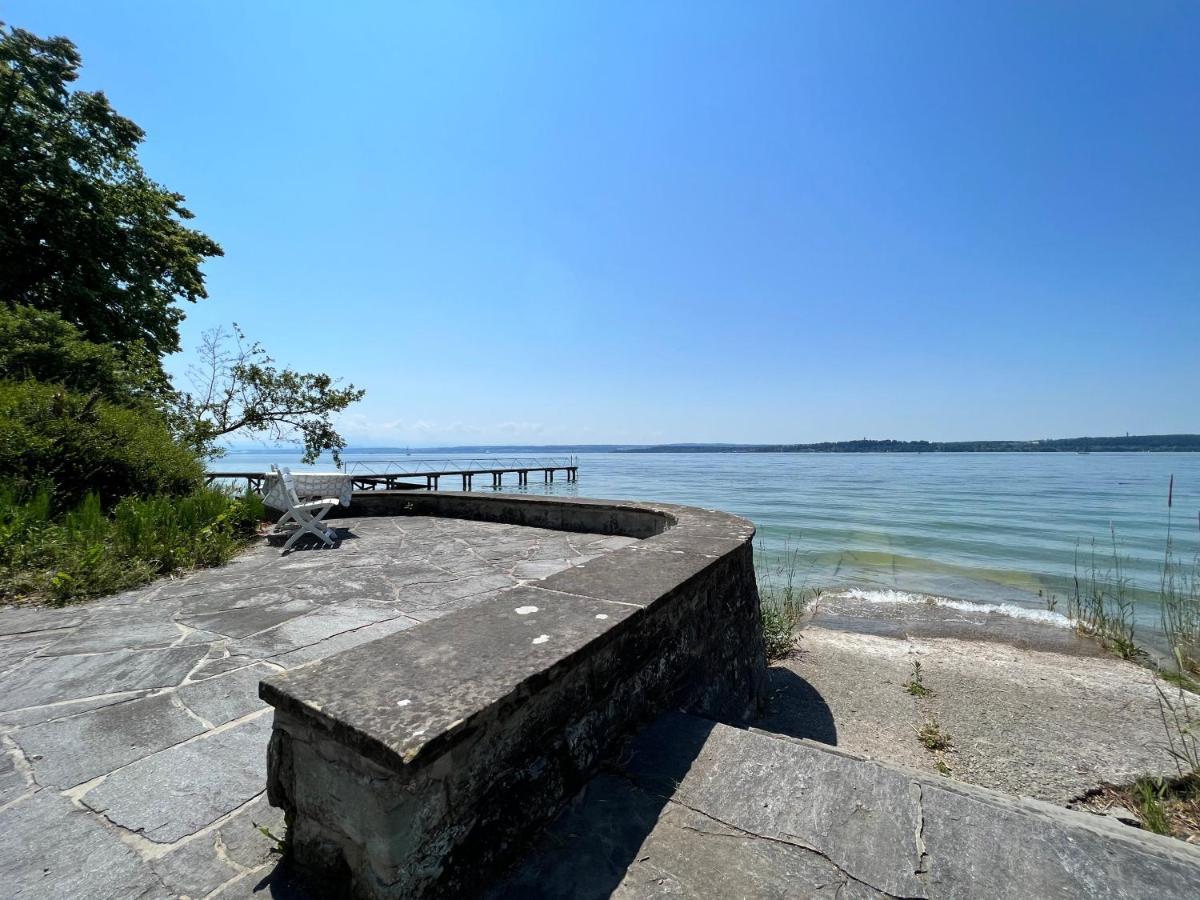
x=404 y=478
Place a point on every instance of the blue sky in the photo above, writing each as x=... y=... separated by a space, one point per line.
x=541 y=223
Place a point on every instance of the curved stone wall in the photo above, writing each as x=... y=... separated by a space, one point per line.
x=417 y=764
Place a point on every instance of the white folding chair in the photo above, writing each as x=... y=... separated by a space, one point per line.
x=306 y=514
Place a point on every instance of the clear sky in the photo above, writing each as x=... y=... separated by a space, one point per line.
x=650 y=222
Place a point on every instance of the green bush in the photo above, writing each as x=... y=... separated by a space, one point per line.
x=85 y=553
x=80 y=444
x=42 y=346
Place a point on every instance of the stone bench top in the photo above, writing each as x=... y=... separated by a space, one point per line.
x=409 y=697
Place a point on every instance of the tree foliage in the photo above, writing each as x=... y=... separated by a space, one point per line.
x=84 y=232
x=96 y=262
x=80 y=444
x=42 y=346
x=237 y=387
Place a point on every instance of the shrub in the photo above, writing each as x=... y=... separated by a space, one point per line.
x=82 y=445
x=86 y=553
x=42 y=346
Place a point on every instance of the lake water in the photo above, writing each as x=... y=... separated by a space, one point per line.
x=982 y=527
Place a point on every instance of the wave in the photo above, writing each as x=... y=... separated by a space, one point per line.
x=1043 y=616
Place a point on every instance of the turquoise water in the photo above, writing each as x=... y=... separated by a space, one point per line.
x=985 y=527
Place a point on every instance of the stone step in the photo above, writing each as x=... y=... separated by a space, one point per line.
x=700 y=809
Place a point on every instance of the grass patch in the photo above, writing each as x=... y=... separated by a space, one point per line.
x=932 y=737
x=915 y=685
x=1149 y=796
x=1179 y=679
x=89 y=551
x=779 y=632
x=783 y=598
x=1162 y=805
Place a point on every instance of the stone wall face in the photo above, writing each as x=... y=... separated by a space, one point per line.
x=420 y=764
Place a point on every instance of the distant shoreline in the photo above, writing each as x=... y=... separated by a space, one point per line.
x=1159 y=443
x=1152 y=443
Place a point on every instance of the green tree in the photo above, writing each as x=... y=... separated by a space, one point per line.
x=84 y=232
x=41 y=346
x=237 y=387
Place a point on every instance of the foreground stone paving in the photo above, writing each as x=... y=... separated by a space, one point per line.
x=132 y=740
x=697 y=809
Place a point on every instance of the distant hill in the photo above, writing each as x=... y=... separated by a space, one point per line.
x=1145 y=443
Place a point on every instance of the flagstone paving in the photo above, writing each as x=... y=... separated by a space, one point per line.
x=132 y=740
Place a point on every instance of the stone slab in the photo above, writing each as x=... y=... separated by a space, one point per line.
x=707 y=800
x=243 y=621
x=177 y=792
x=626 y=844
x=70 y=751
x=630 y=576
x=226 y=697
x=126 y=636
x=14 y=649
x=13 y=782
x=343 y=641
x=49 y=679
x=35 y=715
x=311 y=628
x=27 y=620
x=243 y=843
x=195 y=868
x=51 y=850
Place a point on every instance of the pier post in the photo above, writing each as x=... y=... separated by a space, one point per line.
x=464 y=478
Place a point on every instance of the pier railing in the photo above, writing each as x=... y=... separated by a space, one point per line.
x=397 y=474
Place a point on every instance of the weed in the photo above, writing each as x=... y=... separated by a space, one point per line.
x=1179 y=679
x=943 y=767
x=779 y=632
x=1181 y=722
x=914 y=685
x=1149 y=794
x=784 y=599
x=932 y=737
x=1050 y=599
x=279 y=844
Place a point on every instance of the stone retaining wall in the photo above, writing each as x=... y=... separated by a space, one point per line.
x=417 y=765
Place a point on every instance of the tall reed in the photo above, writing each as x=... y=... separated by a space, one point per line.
x=784 y=596
x=1180 y=594
x=1102 y=598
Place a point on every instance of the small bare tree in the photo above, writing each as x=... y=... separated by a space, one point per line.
x=236 y=387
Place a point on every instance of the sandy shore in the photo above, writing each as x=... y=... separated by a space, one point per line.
x=1029 y=707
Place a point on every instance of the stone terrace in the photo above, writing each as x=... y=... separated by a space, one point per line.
x=132 y=740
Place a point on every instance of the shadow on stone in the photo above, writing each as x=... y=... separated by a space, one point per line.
x=278 y=884
x=586 y=852
x=310 y=542
x=797 y=709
